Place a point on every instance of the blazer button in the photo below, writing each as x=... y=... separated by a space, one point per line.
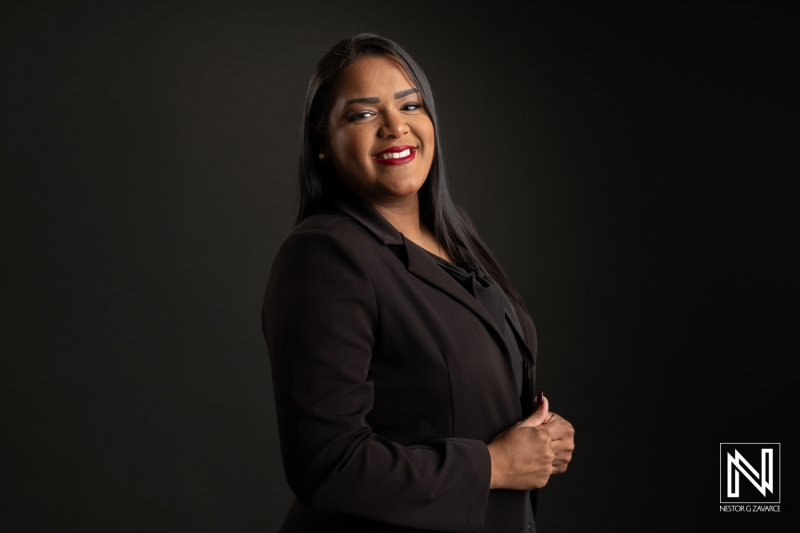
x=530 y=526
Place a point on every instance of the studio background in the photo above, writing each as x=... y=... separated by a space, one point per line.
x=149 y=171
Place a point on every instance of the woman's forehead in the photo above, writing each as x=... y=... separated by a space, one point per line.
x=373 y=76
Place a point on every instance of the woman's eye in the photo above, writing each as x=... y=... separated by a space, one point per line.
x=412 y=107
x=360 y=115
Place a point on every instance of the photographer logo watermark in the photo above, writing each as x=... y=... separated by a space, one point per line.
x=750 y=477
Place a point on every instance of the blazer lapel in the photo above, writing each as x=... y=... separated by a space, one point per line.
x=424 y=268
x=511 y=313
x=417 y=261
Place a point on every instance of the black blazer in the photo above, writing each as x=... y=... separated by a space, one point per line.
x=389 y=381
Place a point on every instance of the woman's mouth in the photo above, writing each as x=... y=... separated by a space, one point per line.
x=396 y=155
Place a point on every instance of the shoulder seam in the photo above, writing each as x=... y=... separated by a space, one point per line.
x=335 y=220
x=342 y=242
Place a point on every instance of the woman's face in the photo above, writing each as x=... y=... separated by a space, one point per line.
x=380 y=138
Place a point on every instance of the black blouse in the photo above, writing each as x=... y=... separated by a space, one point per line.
x=492 y=297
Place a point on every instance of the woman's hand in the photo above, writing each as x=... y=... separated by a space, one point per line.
x=562 y=436
x=522 y=456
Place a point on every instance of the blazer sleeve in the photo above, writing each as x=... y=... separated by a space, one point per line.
x=319 y=319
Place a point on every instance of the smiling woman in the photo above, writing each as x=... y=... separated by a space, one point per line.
x=403 y=360
x=362 y=140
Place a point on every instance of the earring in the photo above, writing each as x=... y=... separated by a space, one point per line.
x=322 y=156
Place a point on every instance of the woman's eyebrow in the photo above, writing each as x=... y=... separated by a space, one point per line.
x=398 y=95
x=376 y=100
x=369 y=100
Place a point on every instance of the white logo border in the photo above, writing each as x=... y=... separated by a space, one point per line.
x=780 y=477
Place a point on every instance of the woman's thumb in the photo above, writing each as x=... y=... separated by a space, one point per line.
x=540 y=415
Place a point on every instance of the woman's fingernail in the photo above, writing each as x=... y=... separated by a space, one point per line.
x=539 y=398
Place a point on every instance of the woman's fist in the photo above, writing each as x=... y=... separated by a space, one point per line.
x=522 y=456
x=562 y=442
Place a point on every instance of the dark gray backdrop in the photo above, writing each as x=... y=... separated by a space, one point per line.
x=149 y=165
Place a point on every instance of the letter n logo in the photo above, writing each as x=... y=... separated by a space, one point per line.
x=749 y=472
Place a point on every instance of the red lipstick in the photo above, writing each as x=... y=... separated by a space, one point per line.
x=396 y=155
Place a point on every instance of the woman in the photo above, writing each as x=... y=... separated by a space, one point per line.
x=398 y=346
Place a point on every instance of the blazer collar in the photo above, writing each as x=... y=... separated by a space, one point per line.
x=417 y=261
x=352 y=204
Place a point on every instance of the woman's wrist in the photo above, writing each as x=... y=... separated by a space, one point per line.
x=495 y=477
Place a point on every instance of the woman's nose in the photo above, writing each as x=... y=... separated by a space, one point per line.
x=394 y=125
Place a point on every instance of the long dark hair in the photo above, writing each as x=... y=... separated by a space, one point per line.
x=319 y=182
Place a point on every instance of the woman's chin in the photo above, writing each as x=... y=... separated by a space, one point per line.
x=402 y=185
x=405 y=191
